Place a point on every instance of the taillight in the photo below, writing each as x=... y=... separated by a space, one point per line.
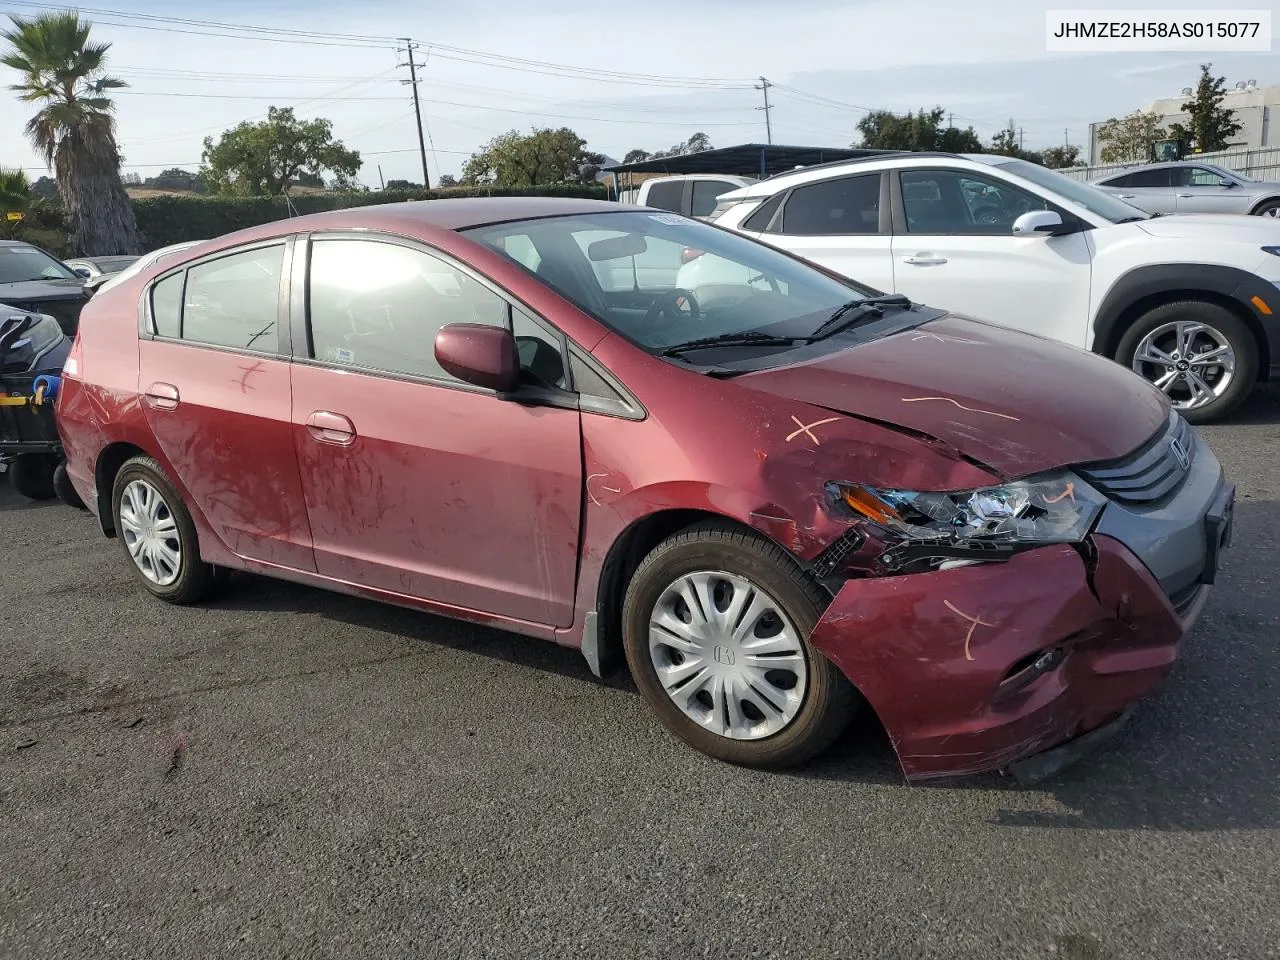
x=71 y=368
x=688 y=255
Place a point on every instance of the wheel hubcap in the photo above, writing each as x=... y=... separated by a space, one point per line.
x=151 y=533
x=727 y=655
x=1192 y=362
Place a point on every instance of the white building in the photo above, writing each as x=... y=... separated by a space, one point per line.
x=1252 y=105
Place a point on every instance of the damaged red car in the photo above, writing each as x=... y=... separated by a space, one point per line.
x=779 y=498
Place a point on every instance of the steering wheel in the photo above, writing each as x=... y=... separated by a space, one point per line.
x=668 y=306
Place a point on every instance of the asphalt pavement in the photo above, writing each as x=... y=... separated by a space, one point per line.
x=288 y=772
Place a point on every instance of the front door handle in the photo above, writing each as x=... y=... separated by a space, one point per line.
x=334 y=428
x=162 y=396
x=1186 y=196
x=924 y=260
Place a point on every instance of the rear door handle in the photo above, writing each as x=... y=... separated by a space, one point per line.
x=162 y=396
x=1127 y=196
x=1186 y=196
x=334 y=428
x=924 y=260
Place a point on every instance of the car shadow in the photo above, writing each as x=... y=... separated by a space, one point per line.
x=249 y=593
x=1261 y=407
x=11 y=501
x=1199 y=755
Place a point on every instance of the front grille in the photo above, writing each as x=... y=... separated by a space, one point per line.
x=1151 y=474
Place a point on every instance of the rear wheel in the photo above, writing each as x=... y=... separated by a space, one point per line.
x=32 y=475
x=715 y=626
x=158 y=535
x=1200 y=354
x=64 y=488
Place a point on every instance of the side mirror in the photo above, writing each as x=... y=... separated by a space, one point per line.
x=479 y=354
x=83 y=272
x=1037 y=221
x=1224 y=182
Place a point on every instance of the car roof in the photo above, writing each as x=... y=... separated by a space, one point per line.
x=822 y=171
x=422 y=216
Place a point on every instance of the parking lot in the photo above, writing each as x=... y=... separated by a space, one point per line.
x=288 y=772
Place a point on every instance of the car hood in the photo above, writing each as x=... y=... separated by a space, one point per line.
x=1213 y=226
x=1016 y=403
x=32 y=290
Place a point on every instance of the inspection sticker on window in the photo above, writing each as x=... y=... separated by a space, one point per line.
x=667 y=218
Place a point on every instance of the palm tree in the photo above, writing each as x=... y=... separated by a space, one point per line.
x=75 y=128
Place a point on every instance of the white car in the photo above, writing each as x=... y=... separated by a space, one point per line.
x=1190 y=302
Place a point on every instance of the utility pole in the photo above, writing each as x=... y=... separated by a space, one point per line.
x=951 y=121
x=417 y=110
x=1066 y=137
x=768 y=125
x=1020 y=138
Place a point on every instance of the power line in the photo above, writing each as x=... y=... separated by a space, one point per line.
x=216 y=28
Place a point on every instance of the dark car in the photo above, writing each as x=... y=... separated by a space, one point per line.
x=38 y=282
x=778 y=499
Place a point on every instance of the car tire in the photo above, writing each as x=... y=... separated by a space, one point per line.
x=731 y=559
x=64 y=488
x=1222 y=326
x=32 y=475
x=1270 y=208
x=168 y=562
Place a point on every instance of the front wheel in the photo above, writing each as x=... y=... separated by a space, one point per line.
x=32 y=475
x=1200 y=354
x=1269 y=209
x=715 y=627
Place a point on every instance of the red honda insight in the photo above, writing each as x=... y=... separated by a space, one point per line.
x=780 y=497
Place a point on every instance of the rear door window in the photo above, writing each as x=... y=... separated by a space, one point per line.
x=843 y=207
x=705 y=194
x=666 y=196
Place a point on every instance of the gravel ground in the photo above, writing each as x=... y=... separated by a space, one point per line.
x=293 y=773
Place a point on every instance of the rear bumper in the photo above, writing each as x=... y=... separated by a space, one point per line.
x=976 y=668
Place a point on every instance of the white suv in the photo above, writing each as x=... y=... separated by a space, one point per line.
x=1190 y=302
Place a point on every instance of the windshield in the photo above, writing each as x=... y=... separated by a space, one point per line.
x=661 y=280
x=21 y=263
x=1081 y=194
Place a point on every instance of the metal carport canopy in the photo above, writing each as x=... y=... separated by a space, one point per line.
x=746 y=160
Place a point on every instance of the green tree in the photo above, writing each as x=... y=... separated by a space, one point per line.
x=1058 y=158
x=15 y=197
x=446 y=180
x=544 y=156
x=1129 y=139
x=698 y=143
x=635 y=156
x=922 y=130
x=1008 y=143
x=1210 y=126
x=264 y=158
x=74 y=130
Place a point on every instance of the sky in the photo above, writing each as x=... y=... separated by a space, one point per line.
x=622 y=76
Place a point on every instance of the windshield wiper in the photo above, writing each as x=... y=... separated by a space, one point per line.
x=747 y=338
x=856 y=310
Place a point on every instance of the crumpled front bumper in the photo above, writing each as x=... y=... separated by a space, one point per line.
x=974 y=668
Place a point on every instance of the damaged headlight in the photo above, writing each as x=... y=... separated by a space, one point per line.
x=1054 y=509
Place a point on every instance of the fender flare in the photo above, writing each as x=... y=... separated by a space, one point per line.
x=1143 y=287
x=1273 y=198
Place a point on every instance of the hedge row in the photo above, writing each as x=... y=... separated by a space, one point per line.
x=178 y=218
